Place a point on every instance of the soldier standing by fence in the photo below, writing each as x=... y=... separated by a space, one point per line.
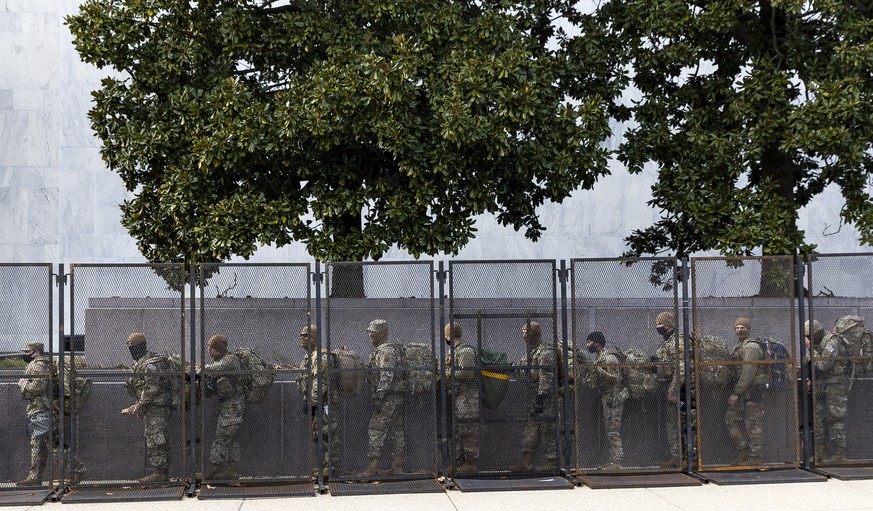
x=224 y=380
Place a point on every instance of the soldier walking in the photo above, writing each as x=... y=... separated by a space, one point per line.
x=605 y=376
x=744 y=417
x=224 y=380
x=389 y=399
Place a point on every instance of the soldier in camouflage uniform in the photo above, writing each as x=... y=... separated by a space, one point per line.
x=832 y=384
x=41 y=424
x=389 y=399
x=465 y=396
x=154 y=404
x=744 y=417
x=606 y=377
x=540 y=427
x=223 y=379
x=307 y=382
x=670 y=351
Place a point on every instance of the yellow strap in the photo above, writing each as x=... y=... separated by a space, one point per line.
x=496 y=376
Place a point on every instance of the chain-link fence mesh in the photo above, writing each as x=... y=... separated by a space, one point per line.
x=253 y=418
x=624 y=420
x=380 y=412
x=31 y=439
x=841 y=358
x=133 y=351
x=745 y=362
x=502 y=370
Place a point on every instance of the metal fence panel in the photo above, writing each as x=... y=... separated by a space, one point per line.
x=624 y=421
x=381 y=418
x=107 y=304
x=841 y=358
x=499 y=304
x=244 y=436
x=25 y=316
x=746 y=397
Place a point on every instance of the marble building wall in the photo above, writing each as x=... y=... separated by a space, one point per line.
x=59 y=203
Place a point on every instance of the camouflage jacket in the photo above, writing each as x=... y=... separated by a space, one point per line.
x=827 y=357
x=385 y=368
x=603 y=377
x=36 y=390
x=307 y=379
x=671 y=352
x=149 y=389
x=226 y=372
x=542 y=378
x=750 y=374
x=462 y=373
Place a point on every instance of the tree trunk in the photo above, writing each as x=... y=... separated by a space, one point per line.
x=777 y=274
x=347 y=280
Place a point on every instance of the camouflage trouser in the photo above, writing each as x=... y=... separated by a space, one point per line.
x=745 y=421
x=612 y=404
x=155 y=420
x=225 y=446
x=388 y=422
x=540 y=430
x=676 y=424
x=466 y=424
x=831 y=407
x=328 y=433
x=39 y=427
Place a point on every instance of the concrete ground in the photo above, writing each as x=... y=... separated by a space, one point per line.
x=829 y=495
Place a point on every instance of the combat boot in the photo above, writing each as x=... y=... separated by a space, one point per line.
x=158 y=476
x=467 y=467
x=549 y=466
x=838 y=455
x=211 y=472
x=610 y=466
x=526 y=464
x=396 y=465
x=741 y=458
x=753 y=459
x=79 y=475
x=33 y=479
x=670 y=463
x=232 y=470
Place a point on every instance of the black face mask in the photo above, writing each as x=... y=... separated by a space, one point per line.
x=663 y=331
x=592 y=348
x=27 y=357
x=449 y=341
x=137 y=351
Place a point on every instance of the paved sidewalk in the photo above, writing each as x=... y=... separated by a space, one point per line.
x=830 y=495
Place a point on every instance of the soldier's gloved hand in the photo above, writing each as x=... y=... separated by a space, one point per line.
x=305 y=408
x=539 y=404
x=377 y=401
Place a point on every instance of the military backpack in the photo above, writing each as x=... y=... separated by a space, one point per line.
x=712 y=353
x=348 y=371
x=76 y=389
x=257 y=377
x=636 y=374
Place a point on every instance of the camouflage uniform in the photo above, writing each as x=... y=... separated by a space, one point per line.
x=673 y=374
x=232 y=407
x=466 y=400
x=154 y=400
x=831 y=396
x=389 y=398
x=540 y=427
x=40 y=424
x=745 y=419
x=613 y=393
x=307 y=382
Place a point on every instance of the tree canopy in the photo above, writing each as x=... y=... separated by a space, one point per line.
x=749 y=109
x=348 y=125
